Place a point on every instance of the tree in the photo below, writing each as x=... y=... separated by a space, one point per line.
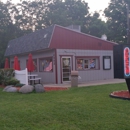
x=39 y=14
x=116 y=14
x=95 y=26
x=5 y=22
x=8 y=30
x=28 y=15
x=74 y=12
x=66 y=13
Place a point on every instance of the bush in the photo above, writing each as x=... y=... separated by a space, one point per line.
x=19 y=85
x=12 y=81
x=7 y=72
x=6 y=75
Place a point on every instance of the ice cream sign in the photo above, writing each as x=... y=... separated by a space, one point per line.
x=127 y=62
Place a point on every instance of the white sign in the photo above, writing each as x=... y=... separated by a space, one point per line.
x=107 y=64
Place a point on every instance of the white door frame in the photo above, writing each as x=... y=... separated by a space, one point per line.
x=66 y=67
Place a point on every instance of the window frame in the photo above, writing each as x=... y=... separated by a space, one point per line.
x=104 y=63
x=44 y=58
x=87 y=58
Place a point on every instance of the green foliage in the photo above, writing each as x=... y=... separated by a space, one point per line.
x=96 y=26
x=6 y=29
x=12 y=81
x=116 y=14
x=49 y=12
x=64 y=13
x=6 y=75
x=19 y=85
x=7 y=72
x=86 y=108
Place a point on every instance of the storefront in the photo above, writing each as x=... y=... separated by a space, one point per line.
x=58 y=50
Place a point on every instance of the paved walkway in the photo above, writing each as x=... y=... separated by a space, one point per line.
x=90 y=83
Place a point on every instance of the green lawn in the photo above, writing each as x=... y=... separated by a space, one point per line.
x=87 y=108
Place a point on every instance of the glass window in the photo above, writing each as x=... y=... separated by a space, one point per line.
x=106 y=62
x=92 y=63
x=79 y=64
x=87 y=63
x=45 y=64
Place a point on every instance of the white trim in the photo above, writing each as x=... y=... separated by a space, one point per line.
x=69 y=64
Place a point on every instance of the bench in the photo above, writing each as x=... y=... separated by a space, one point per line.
x=34 y=79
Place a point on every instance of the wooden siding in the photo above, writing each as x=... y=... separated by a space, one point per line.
x=64 y=38
x=87 y=75
x=47 y=77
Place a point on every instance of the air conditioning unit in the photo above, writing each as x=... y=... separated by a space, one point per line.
x=104 y=37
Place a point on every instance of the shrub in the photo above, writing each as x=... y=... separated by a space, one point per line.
x=6 y=75
x=12 y=81
x=19 y=85
x=7 y=72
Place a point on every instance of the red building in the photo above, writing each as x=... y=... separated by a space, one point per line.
x=58 y=50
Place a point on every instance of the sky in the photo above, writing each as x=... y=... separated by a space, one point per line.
x=98 y=5
x=95 y=5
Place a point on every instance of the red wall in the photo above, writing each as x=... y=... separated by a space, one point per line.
x=64 y=38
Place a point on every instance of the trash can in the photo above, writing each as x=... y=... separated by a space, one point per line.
x=74 y=78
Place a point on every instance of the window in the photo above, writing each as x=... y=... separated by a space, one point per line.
x=106 y=62
x=45 y=64
x=87 y=63
x=79 y=64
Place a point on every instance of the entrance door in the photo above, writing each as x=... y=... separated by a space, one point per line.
x=66 y=68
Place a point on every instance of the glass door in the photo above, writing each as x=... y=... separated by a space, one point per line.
x=66 y=68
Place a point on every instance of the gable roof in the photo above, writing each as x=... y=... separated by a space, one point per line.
x=57 y=37
x=65 y=38
x=34 y=41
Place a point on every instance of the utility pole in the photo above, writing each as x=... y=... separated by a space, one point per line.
x=128 y=25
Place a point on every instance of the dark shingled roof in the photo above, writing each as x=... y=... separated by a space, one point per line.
x=34 y=41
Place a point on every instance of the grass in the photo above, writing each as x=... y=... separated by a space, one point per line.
x=87 y=108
